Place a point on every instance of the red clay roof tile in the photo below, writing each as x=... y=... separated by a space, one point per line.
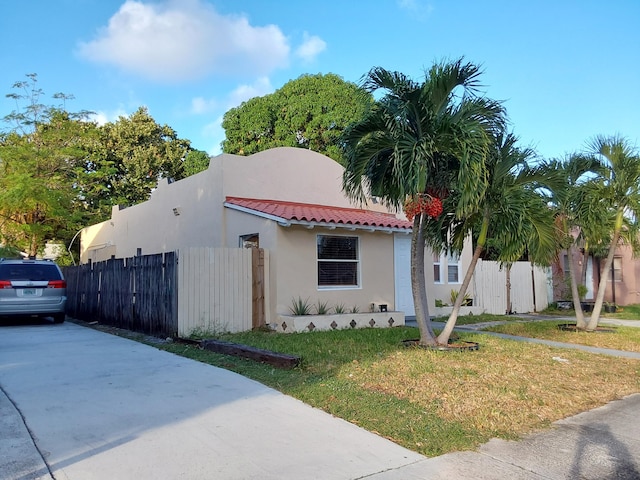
x=305 y=212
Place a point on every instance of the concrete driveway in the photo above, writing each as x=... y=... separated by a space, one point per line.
x=78 y=404
x=103 y=407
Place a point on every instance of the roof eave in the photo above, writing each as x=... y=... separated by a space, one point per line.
x=310 y=224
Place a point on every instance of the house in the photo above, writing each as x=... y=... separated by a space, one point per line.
x=623 y=285
x=290 y=202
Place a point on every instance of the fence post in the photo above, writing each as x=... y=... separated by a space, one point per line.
x=257 y=287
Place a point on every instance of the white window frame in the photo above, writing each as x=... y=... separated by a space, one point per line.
x=453 y=261
x=444 y=263
x=357 y=261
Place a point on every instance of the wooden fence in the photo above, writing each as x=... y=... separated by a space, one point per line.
x=529 y=287
x=137 y=293
x=174 y=294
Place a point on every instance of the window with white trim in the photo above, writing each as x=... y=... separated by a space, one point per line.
x=453 y=269
x=449 y=264
x=338 y=260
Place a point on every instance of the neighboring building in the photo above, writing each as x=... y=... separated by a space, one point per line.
x=623 y=285
x=290 y=202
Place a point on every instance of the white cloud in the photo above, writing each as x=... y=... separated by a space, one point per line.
x=200 y=105
x=260 y=87
x=105 y=117
x=311 y=47
x=181 y=40
x=242 y=93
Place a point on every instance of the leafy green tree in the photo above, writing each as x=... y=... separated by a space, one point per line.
x=195 y=162
x=131 y=154
x=39 y=160
x=511 y=216
x=309 y=112
x=618 y=187
x=414 y=143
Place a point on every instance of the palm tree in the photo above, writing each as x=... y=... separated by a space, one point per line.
x=619 y=189
x=577 y=216
x=511 y=214
x=413 y=143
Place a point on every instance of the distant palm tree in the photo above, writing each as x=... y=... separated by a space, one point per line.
x=619 y=189
x=511 y=214
x=579 y=215
x=414 y=143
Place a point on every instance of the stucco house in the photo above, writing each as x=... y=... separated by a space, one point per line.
x=289 y=201
x=623 y=284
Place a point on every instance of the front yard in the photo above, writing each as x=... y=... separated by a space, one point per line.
x=438 y=402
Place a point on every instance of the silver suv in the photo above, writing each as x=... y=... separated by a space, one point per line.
x=33 y=288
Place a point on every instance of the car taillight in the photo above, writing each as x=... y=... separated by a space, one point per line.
x=57 y=284
x=5 y=284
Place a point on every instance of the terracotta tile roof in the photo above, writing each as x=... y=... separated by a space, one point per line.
x=310 y=213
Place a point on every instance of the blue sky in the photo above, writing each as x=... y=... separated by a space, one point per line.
x=566 y=69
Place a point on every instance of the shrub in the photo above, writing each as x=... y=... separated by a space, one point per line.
x=300 y=307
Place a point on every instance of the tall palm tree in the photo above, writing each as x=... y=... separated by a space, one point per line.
x=619 y=189
x=413 y=143
x=511 y=214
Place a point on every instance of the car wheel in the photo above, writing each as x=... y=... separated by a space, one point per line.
x=58 y=318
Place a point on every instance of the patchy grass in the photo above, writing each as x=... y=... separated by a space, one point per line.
x=482 y=318
x=433 y=402
x=618 y=338
x=628 y=312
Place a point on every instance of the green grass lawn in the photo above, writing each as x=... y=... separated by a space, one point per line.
x=433 y=402
x=616 y=337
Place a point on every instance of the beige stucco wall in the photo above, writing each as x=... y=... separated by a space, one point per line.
x=296 y=265
x=289 y=174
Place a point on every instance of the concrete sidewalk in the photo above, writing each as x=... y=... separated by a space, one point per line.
x=78 y=404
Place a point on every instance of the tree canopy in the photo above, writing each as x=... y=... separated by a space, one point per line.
x=39 y=161
x=60 y=172
x=309 y=112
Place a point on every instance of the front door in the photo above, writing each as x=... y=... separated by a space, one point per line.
x=402 y=273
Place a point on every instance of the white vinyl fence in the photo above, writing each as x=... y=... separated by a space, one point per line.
x=214 y=290
x=529 y=287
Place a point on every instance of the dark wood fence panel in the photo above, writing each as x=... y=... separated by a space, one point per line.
x=137 y=293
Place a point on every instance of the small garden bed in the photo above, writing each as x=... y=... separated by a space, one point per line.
x=336 y=321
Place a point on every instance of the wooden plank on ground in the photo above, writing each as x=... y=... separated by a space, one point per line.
x=281 y=360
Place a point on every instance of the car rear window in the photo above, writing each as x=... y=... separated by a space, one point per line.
x=26 y=271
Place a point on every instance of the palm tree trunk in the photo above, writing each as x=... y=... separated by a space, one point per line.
x=418 y=283
x=604 y=277
x=443 y=338
x=575 y=296
x=585 y=264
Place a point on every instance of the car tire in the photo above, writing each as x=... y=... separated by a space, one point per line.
x=58 y=318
